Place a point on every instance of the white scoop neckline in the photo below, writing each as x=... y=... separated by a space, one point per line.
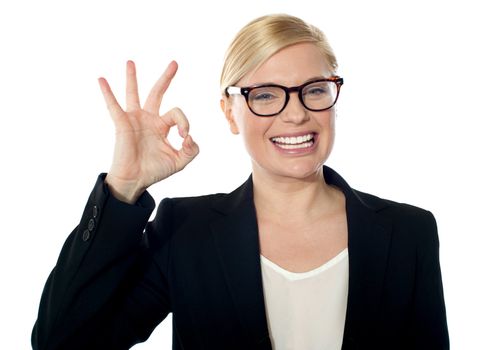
x=302 y=275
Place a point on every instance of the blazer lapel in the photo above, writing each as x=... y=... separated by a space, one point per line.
x=369 y=237
x=237 y=242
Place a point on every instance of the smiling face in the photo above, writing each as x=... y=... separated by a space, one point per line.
x=296 y=142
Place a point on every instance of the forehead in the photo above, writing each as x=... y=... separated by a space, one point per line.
x=292 y=65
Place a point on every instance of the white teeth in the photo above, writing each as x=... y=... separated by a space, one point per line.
x=302 y=145
x=299 y=140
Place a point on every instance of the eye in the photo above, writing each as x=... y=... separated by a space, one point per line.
x=315 y=91
x=264 y=96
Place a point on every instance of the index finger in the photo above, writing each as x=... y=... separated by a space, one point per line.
x=114 y=107
x=153 y=102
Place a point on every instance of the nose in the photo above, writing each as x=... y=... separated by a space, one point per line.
x=294 y=112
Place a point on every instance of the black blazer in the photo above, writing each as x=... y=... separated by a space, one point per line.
x=200 y=260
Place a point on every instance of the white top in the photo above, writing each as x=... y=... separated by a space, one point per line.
x=306 y=310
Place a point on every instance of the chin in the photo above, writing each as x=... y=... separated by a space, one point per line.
x=303 y=170
x=298 y=169
x=303 y=167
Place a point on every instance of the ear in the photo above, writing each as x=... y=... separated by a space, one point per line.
x=226 y=108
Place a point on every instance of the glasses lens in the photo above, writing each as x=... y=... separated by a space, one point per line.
x=266 y=100
x=319 y=95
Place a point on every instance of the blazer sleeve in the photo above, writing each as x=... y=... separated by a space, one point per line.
x=105 y=291
x=429 y=311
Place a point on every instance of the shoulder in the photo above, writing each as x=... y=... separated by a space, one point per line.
x=406 y=220
x=187 y=211
x=185 y=206
x=386 y=206
x=188 y=215
x=396 y=212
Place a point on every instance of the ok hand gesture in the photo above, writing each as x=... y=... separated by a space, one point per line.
x=142 y=154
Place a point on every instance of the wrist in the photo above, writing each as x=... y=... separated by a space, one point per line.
x=124 y=190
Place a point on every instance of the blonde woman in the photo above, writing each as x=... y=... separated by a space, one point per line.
x=293 y=259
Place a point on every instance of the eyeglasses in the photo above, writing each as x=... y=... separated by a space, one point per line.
x=271 y=99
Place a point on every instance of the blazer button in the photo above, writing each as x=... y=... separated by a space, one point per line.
x=86 y=235
x=91 y=224
x=95 y=211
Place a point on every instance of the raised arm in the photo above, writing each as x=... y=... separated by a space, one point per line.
x=105 y=292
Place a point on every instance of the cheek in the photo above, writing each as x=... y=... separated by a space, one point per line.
x=327 y=124
x=249 y=125
x=332 y=123
x=325 y=121
x=254 y=130
x=329 y=121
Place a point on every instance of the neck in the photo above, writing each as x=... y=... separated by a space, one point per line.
x=292 y=198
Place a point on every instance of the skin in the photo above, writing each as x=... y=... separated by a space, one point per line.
x=302 y=236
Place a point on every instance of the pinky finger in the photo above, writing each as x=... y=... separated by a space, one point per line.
x=112 y=104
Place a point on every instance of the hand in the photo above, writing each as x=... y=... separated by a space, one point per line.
x=142 y=153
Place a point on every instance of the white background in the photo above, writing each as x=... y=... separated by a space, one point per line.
x=413 y=124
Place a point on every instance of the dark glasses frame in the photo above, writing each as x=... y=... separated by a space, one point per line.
x=245 y=91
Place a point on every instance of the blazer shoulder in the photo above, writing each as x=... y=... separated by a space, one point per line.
x=194 y=204
x=402 y=215
x=184 y=207
x=412 y=226
x=180 y=214
x=381 y=205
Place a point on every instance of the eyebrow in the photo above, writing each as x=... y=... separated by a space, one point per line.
x=276 y=83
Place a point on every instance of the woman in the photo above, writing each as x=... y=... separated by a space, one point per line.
x=292 y=259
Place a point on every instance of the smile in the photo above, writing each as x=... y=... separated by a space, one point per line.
x=295 y=142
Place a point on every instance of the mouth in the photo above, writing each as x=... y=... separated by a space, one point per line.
x=295 y=142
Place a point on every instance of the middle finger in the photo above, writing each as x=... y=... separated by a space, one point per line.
x=132 y=99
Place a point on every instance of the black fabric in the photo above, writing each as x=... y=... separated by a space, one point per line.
x=199 y=259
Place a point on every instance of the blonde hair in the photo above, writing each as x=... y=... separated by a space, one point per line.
x=263 y=37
